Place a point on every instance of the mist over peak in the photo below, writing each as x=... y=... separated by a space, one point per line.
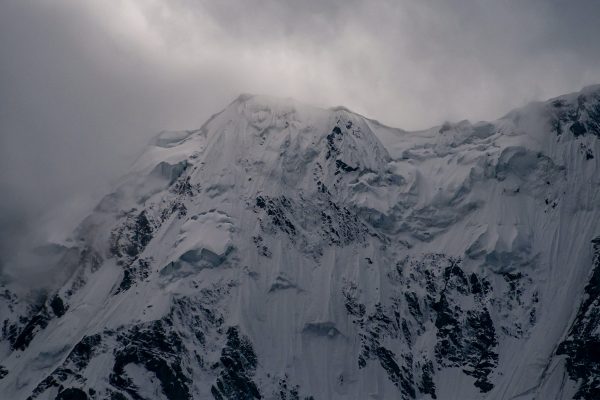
x=163 y=236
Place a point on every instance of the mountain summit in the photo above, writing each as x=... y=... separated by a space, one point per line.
x=283 y=251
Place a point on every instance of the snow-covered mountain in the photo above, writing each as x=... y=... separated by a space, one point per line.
x=283 y=251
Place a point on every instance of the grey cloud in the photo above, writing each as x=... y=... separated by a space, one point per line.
x=83 y=85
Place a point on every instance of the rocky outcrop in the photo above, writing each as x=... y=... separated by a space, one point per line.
x=582 y=345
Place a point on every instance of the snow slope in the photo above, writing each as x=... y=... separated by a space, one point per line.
x=283 y=251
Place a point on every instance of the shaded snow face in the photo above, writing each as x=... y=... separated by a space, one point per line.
x=283 y=251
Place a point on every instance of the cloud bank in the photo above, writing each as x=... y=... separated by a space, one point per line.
x=83 y=85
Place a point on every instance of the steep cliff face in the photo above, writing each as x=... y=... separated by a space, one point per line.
x=287 y=252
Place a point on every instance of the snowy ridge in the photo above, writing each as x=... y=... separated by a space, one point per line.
x=283 y=251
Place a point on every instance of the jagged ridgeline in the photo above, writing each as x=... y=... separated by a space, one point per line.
x=287 y=252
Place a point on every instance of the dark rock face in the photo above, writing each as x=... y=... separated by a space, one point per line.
x=159 y=350
x=277 y=211
x=77 y=361
x=332 y=139
x=72 y=394
x=519 y=293
x=376 y=329
x=133 y=236
x=57 y=306
x=582 y=346
x=582 y=118
x=37 y=322
x=260 y=247
x=127 y=242
x=136 y=229
x=426 y=385
x=287 y=391
x=83 y=351
x=398 y=367
x=479 y=356
x=302 y=221
x=238 y=361
x=467 y=336
x=585 y=150
x=342 y=166
x=135 y=272
x=183 y=187
x=164 y=348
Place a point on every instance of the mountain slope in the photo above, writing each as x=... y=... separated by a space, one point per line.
x=283 y=252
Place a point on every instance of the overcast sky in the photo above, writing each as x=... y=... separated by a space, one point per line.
x=85 y=83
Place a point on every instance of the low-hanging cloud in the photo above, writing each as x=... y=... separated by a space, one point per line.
x=83 y=85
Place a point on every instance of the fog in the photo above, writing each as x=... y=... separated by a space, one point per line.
x=85 y=84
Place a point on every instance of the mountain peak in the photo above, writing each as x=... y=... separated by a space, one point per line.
x=289 y=251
